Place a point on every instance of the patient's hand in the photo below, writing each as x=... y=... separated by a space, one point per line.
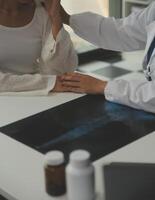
x=79 y=83
x=53 y=9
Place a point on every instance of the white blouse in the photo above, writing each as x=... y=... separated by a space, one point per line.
x=30 y=58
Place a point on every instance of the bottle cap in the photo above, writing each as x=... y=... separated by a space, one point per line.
x=54 y=158
x=80 y=158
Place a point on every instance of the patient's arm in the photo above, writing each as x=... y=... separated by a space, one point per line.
x=30 y=84
x=33 y=84
x=53 y=9
x=58 y=56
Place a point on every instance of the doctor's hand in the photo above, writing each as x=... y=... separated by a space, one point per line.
x=59 y=87
x=53 y=8
x=80 y=83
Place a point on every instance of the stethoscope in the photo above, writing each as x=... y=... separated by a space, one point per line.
x=148 y=60
x=147 y=72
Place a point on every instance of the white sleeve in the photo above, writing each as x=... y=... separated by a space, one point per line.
x=133 y=93
x=57 y=56
x=125 y=34
x=26 y=84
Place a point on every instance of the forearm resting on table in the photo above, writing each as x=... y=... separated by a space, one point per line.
x=10 y=83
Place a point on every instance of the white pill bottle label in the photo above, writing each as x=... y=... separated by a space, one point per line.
x=80 y=177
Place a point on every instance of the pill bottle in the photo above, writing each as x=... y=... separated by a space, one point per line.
x=54 y=168
x=80 y=176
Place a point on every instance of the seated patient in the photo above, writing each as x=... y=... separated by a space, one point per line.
x=34 y=47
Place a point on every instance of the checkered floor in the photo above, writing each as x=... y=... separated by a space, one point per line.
x=130 y=67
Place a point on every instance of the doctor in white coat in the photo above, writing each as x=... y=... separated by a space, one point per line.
x=136 y=32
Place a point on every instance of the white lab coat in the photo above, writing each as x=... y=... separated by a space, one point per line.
x=134 y=32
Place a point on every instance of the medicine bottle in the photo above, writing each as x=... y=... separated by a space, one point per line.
x=55 y=173
x=80 y=176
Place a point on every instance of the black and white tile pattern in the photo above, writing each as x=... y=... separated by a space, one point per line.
x=130 y=67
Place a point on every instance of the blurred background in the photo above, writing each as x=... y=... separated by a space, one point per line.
x=76 y=6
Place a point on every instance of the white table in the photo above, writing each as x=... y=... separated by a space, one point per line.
x=21 y=168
